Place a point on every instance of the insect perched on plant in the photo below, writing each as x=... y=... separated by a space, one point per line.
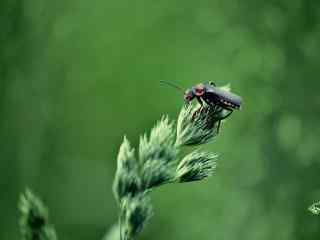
x=219 y=99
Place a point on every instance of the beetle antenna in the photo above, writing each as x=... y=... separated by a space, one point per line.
x=172 y=85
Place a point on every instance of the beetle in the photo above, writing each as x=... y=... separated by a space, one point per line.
x=215 y=97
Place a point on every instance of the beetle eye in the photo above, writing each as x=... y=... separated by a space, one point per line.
x=212 y=83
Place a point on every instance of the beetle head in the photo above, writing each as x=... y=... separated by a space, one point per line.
x=189 y=95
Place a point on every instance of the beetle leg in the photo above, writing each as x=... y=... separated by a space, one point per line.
x=198 y=110
x=200 y=101
x=225 y=116
x=221 y=118
x=218 y=127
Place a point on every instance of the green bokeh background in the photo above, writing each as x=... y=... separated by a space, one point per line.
x=77 y=75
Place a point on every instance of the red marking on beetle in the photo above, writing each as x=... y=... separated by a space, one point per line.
x=199 y=90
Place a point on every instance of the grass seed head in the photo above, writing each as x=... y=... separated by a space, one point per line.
x=196 y=125
x=315 y=208
x=127 y=180
x=196 y=166
x=34 y=218
x=158 y=153
x=136 y=212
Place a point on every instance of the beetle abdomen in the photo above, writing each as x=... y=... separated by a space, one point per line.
x=224 y=98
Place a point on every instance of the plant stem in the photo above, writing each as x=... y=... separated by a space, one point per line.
x=120 y=223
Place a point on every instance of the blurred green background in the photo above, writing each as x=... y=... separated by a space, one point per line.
x=76 y=75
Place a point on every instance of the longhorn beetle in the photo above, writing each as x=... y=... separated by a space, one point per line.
x=215 y=97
